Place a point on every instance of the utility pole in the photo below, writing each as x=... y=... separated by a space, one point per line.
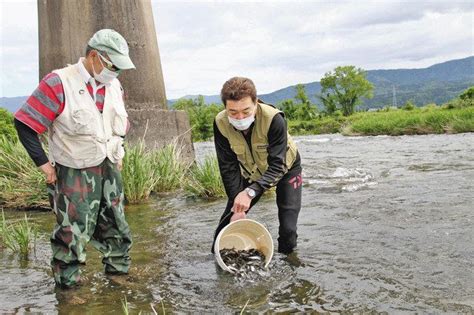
x=64 y=30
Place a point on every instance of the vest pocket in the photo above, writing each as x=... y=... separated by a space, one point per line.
x=82 y=148
x=262 y=153
x=119 y=125
x=83 y=122
x=239 y=150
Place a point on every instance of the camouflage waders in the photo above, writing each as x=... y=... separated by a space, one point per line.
x=88 y=204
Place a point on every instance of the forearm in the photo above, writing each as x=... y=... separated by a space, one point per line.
x=29 y=138
x=276 y=170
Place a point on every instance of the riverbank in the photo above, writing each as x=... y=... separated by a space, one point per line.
x=392 y=122
x=22 y=185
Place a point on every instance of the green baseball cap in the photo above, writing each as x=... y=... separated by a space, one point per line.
x=114 y=45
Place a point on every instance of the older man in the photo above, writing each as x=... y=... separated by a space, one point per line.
x=82 y=108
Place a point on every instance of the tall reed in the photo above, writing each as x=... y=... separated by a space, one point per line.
x=170 y=167
x=22 y=184
x=204 y=180
x=139 y=173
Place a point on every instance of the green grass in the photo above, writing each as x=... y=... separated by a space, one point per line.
x=324 y=125
x=139 y=173
x=22 y=184
x=204 y=180
x=418 y=121
x=245 y=306
x=424 y=120
x=146 y=171
x=124 y=305
x=170 y=167
x=20 y=237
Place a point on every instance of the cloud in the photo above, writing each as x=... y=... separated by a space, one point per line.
x=280 y=43
x=276 y=43
x=19 y=48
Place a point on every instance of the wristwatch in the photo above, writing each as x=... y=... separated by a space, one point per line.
x=250 y=192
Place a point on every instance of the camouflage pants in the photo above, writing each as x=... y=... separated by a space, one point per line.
x=88 y=204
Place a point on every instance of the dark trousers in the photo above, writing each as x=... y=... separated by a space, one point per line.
x=288 y=199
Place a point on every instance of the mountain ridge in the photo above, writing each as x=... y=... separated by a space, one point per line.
x=437 y=83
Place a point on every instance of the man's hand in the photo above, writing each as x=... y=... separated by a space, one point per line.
x=241 y=202
x=50 y=173
x=120 y=165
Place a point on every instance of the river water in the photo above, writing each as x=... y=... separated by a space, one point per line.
x=386 y=226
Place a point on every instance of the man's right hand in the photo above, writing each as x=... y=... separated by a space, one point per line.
x=50 y=173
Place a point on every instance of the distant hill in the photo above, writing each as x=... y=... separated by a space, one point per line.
x=12 y=103
x=435 y=84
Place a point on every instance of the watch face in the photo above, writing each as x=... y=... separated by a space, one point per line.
x=251 y=192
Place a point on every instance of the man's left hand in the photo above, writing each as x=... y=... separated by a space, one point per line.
x=120 y=165
x=241 y=202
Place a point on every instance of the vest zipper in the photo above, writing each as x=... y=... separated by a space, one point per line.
x=251 y=153
x=245 y=168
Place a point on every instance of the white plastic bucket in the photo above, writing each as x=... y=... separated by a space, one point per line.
x=244 y=234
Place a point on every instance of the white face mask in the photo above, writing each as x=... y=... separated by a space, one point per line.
x=105 y=76
x=242 y=124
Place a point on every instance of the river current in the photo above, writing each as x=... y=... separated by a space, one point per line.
x=386 y=225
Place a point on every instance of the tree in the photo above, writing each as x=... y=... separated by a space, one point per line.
x=305 y=110
x=329 y=102
x=345 y=86
x=201 y=116
x=302 y=109
x=468 y=95
x=289 y=108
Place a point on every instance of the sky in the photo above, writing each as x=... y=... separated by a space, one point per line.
x=275 y=43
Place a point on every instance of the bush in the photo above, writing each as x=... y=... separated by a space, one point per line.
x=409 y=106
x=7 y=128
x=468 y=95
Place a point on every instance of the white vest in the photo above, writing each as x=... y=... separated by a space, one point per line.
x=81 y=136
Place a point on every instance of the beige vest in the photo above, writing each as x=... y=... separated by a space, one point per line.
x=253 y=161
x=81 y=136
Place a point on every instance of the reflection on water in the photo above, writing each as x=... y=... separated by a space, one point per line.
x=386 y=226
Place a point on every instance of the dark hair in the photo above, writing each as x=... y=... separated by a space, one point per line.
x=89 y=49
x=237 y=88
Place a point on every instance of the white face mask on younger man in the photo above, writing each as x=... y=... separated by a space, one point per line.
x=242 y=124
